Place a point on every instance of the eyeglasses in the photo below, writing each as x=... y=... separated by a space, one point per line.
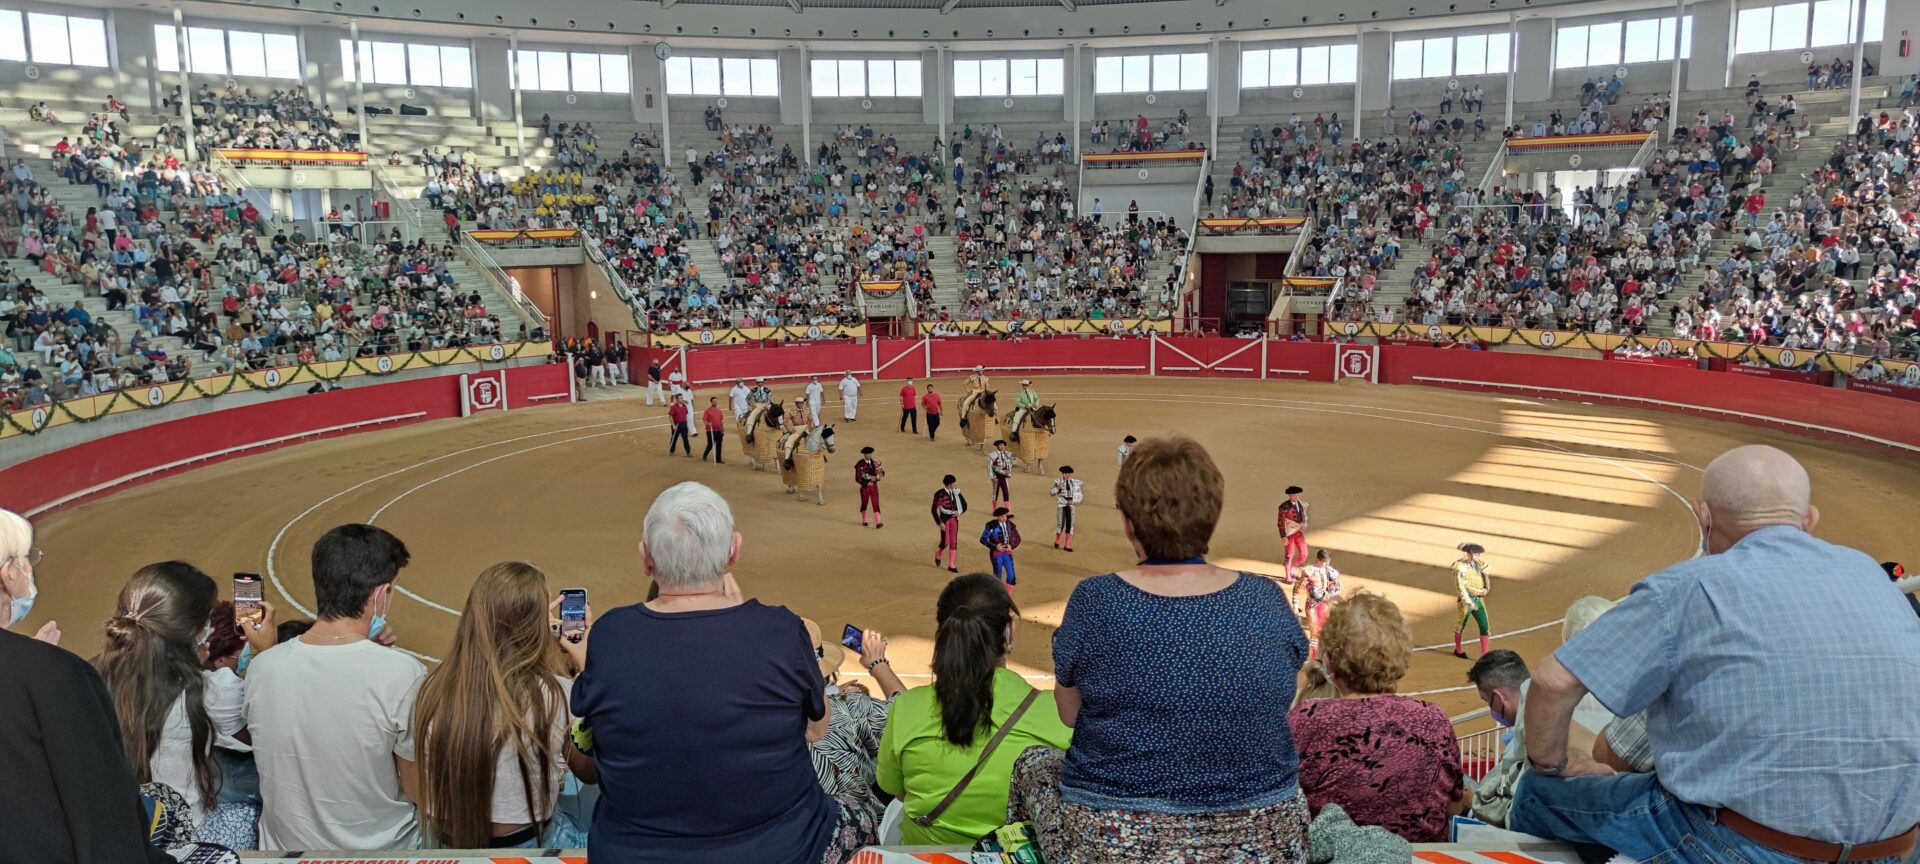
x=33 y=556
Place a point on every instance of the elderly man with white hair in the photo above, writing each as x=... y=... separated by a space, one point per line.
x=1777 y=674
x=701 y=705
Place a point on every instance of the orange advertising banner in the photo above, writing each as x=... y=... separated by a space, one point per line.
x=1610 y=139
x=1144 y=156
x=881 y=287
x=501 y=235
x=1236 y=223
x=341 y=157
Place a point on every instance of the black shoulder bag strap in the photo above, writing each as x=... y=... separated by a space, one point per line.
x=927 y=820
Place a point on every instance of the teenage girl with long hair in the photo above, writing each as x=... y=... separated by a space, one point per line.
x=170 y=709
x=937 y=732
x=491 y=720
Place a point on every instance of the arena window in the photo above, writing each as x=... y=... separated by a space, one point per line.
x=1288 y=67
x=1793 y=26
x=58 y=39
x=419 y=65
x=1145 y=73
x=1018 y=76
x=1445 y=56
x=853 y=79
x=571 y=72
x=723 y=76
x=1648 y=40
x=212 y=51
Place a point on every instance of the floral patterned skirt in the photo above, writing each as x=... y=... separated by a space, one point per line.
x=1071 y=834
x=857 y=828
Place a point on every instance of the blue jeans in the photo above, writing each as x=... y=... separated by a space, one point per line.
x=1633 y=815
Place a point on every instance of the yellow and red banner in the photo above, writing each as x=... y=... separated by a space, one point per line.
x=1129 y=158
x=504 y=235
x=1309 y=281
x=1609 y=139
x=1240 y=223
x=881 y=287
x=337 y=157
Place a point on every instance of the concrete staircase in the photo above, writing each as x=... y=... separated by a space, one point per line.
x=949 y=282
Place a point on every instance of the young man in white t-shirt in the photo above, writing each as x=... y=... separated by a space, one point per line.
x=331 y=711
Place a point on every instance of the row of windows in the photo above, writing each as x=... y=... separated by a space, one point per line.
x=406 y=63
x=1292 y=67
x=212 y=51
x=859 y=78
x=1787 y=27
x=57 y=39
x=1446 y=56
x=723 y=76
x=1648 y=40
x=573 y=72
x=1023 y=77
x=1147 y=73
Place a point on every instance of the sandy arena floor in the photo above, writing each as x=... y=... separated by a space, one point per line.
x=1569 y=500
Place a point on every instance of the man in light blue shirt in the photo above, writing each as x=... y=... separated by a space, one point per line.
x=1778 y=674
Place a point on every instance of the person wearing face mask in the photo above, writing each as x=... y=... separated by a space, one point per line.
x=171 y=711
x=68 y=794
x=331 y=711
x=1500 y=676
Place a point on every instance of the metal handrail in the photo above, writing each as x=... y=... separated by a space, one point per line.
x=590 y=241
x=1494 y=167
x=230 y=174
x=508 y=286
x=1645 y=154
x=407 y=209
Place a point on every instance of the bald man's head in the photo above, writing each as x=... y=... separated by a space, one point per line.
x=1749 y=488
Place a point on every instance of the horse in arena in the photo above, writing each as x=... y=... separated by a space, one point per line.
x=808 y=467
x=760 y=435
x=1036 y=430
x=979 y=426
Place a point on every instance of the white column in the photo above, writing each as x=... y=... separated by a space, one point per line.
x=666 y=128
x=1673 y=98
x=806 y=105
x=945 y=90
x=1073 y=100
x=1859 y=54
x=359 y=83
x=1356 y=126
x=1213 y=96
x=519 y=112
x=1513 y=62
x=186 y=78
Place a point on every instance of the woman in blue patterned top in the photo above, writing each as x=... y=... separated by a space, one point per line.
x=1170 y=674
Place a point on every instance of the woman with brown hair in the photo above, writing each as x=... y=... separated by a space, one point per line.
x=171 y=711
x=492 y=720
x=1387 y=760
x=1168 y=673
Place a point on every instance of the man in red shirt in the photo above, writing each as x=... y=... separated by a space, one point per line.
x=715 y=422
x=910 y=407
x=931 y=402
x=682 y=433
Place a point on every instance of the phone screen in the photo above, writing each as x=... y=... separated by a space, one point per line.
x=851 y=638
x=248 y=591
x=573 y=614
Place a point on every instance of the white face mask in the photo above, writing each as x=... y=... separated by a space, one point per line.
x=18 y=610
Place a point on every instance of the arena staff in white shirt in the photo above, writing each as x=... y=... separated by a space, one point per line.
x=676 y=385
x=850 y=396
x=814 y=390
x=331 y=712
x=738 y=397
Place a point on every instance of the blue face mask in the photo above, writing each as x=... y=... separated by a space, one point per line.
x=22 y=605
x=246 y=656
x=1502 y=719
x=378 y=624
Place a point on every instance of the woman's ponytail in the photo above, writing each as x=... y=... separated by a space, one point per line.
x=969 y=643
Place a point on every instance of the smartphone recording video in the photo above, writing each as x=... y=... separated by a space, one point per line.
x=248 y=592
x=573 y=614
x=851 y=638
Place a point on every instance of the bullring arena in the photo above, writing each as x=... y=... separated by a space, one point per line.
x=1533 y=307
x=1570 y=498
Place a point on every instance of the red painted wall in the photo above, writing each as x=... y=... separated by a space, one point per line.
x=35 y=482
x=1825 y=412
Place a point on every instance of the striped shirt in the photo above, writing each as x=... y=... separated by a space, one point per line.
x=1778 y=681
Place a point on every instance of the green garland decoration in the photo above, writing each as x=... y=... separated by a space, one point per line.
x=289 y=376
